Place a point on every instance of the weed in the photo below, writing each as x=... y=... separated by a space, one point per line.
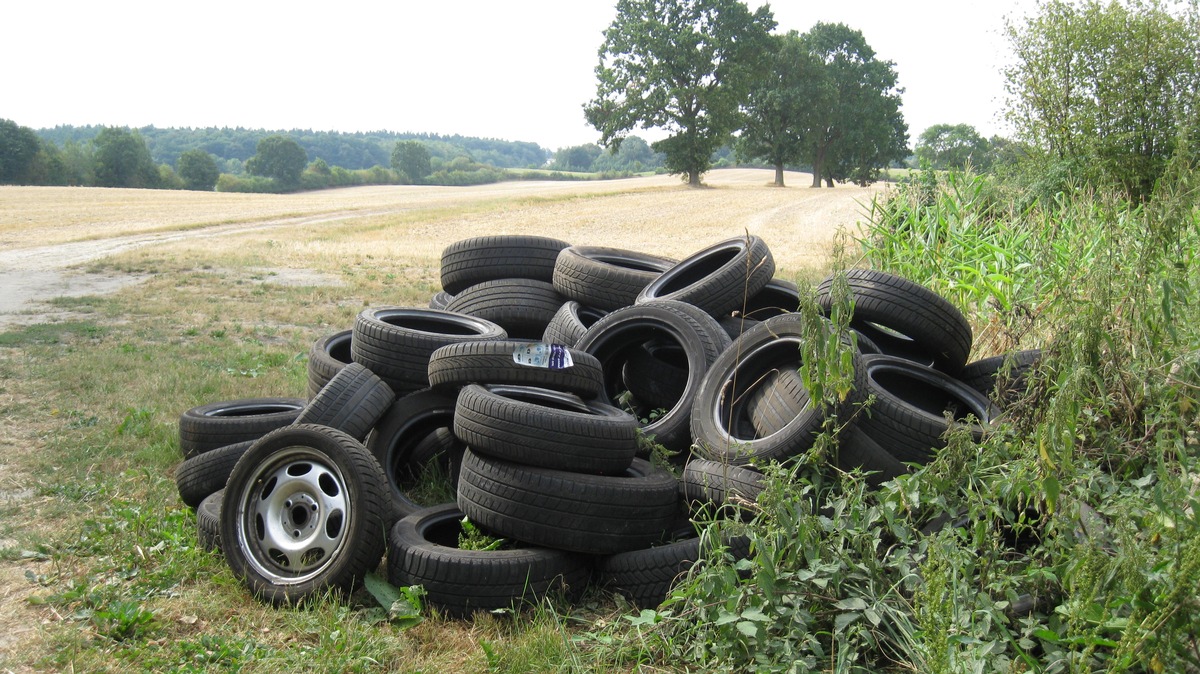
x=473 y=538
x=123 y=620
x=401 y=605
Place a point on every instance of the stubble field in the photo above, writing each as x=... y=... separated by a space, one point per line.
x=119 y=309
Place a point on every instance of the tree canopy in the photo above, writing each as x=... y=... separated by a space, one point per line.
x=851 y=126
x=280 y=158
x=198 y=170
x=19 y=146
x=826 y=101
x=412 y=158
x=685 y=66
x=1103 y=88
x=776 y=105
x=123 y=160
x=952 y=146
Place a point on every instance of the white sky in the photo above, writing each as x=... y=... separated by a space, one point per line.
x=509 y=69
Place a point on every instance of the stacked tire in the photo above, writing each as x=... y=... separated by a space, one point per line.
x=532 y=382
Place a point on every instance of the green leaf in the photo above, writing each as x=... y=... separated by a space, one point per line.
x=1051 y=486
x=646 y=617
x=384 y=592
x=726 y=617
x=1046 y=635
x=748 y=628
x=851 y=604
x=754 y=613
x=843 y=620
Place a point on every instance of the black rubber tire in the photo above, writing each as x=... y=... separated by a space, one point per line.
x=905 y=319
x=908 y=416
x=351 y=402
x=656 y=373
x=645 y=577
x=715 y=484
x=613 y=337
x=736 y=326
x=857 y=450
x=546 y=429
x=423 y=550
x=605 y=278
x=395 y=342
x=592 y=514
x=865 y=344
x=517 y=363
x=208 y=521
x=776 y=298
x=488 y=258
x=523 y=307
x=718 y=279
x=440 y=300
x=207 y=427
x=1009 y=370
x=396 y=437
x=439 y=450
x=312 y=490
x=326 y=358
x=198 y=477
x=744 y=377
x=570 y=322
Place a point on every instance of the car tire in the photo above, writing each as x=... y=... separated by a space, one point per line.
x=423 y=550
x=304 y=511
x=591 y=514
x=207 y=427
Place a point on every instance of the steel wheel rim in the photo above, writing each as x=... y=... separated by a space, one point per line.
x=294 y=516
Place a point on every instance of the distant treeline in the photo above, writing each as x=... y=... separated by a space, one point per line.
x=232 y=147
x=249 y=160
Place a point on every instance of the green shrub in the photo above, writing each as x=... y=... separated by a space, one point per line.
x=1068 y=540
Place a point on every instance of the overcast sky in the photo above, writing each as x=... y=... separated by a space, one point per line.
x=509 y=69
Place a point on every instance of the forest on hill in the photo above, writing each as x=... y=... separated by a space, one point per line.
x=232 y=147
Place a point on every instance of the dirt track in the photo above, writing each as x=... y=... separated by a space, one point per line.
x=47 y=233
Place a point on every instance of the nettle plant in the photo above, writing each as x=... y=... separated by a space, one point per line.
x=1067 y=540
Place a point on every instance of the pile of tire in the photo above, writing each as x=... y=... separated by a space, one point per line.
x=534 y=380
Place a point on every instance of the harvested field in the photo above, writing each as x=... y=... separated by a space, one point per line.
x=45 y=230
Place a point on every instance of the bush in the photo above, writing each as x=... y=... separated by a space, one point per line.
x=257 y=184
x=1069 y=540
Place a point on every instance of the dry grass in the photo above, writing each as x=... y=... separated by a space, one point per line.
x=656 y=214
x=223 y=313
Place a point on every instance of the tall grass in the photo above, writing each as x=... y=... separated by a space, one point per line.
x=1069 y=540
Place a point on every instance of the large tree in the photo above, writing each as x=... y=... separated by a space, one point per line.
x=952 y=146
x=577 y=157
x=123 y=160
x=280 y=158
x=411 y=158
x=851 y=126
x=19 y=147
x=198 y=170
x=680 y=65
x=1104 y=86
x=776 y=107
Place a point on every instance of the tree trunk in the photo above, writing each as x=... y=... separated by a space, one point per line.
x=818 y=166
x=779 y=175
x=828 y=181
x=693 y=179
